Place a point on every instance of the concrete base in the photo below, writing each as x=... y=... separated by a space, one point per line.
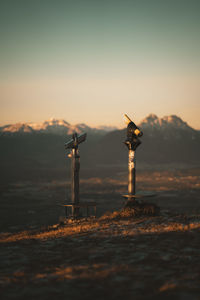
x=139 y=195
x=143 y=208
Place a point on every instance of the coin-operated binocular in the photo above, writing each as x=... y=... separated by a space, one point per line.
x=133 y=134
x=132 y=142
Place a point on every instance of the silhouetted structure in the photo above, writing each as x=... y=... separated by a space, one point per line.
x=132 y=142
x=75 y=167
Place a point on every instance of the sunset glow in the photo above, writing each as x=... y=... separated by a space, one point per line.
x=90 y=61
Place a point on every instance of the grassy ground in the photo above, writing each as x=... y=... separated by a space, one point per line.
x=109 y=258
x=116 y=256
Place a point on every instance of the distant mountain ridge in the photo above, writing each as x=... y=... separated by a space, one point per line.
x=37 y=150
x=173 y=121
x=168 y=126
x=53 y=126
x=60 y=126
x=167 y=139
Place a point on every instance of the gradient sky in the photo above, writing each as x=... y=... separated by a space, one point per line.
x=91 y=61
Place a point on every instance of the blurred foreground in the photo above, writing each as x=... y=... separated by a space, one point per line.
x=31 y=204
x=104 y=258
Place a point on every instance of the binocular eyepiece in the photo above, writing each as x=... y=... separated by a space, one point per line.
x=133 y=134
x=132 y=129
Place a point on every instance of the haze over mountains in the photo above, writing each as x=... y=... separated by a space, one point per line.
x=37 y=150
x=61 y=127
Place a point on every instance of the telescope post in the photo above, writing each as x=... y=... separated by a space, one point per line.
x=132 y=173
x=132 y=142
x=75 y=167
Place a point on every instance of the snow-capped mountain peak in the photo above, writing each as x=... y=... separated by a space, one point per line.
x=49 y=123
x=173 y=121
x=18 y=127
x=62 y=127
x=150 y=120
x=54 y=126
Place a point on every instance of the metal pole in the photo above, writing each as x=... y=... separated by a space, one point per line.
x=131 y=175
x=75 y=180
x=132 y=142
x=75 y=167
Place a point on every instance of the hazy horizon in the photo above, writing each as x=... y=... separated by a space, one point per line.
x=97 y=126
x=91 y=61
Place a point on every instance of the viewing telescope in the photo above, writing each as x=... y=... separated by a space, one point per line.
x=75 y=204
x=132 y=129
x=75 y=141
x=132 y=142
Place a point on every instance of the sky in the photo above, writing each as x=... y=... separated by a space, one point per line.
x=91 y=61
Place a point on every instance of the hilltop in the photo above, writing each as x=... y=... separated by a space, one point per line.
x=118 y=255
x=141 y=258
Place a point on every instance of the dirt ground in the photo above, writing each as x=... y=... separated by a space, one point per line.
x=110 y=257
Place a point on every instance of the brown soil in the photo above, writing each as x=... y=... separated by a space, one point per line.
x=116 y=256
x=109 y=258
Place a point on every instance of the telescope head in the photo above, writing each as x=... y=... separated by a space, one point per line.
x=75 y=141
x=132 y=129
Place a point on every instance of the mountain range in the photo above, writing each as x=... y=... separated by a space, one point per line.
x=53 y=126
x=165 y=140
x=37 y=150
x=61 y=127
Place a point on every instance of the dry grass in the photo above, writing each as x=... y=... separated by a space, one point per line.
x=114 y=257
x=121 y=255
x=124 y=222
x=167 y=286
